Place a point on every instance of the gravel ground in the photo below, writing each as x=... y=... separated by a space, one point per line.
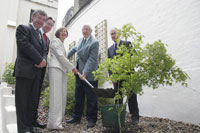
x=146 y=125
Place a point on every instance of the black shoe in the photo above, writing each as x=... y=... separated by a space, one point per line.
x=91 y=125
x=73 y=120
x=37 y=124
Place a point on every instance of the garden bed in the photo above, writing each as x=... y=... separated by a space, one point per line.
x=146 y=124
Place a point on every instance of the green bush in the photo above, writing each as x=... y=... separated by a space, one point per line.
x=45 y=97
x=8 y=73
x=139 y=65
x=70 y=96
x=70 y=93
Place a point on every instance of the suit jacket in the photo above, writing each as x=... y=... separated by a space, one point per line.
x=111 y=50
x=58 y=57
x=87 y=57
x=30 y=51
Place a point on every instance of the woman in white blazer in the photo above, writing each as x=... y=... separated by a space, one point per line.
x=58 y=66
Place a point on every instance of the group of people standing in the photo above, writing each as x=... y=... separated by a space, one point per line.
x=32 y=50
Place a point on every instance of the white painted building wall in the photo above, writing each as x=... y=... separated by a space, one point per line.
x=13 y=13
x=176 y=23
x=7 y=31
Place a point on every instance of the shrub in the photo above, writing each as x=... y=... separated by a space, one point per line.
x=139 y=66
x=8 y=73
x=45 y=97
x=70 y=96
x=70 y=93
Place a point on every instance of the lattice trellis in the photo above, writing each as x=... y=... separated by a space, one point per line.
x=71 y=45
x=101 y=36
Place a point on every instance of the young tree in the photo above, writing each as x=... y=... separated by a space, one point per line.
x=139 y=65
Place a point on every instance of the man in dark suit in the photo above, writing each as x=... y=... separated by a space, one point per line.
x=132 y=101
x=86 y=62
x=28 y=70
x=49 y=23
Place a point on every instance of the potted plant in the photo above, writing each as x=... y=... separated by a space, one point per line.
x=139 y=65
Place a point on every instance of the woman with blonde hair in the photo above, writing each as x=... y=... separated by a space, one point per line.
x=58 y=66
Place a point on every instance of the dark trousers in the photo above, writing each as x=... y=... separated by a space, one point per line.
x=83 y=89
x=132 y=101
x=39 y=92
x=26 y=94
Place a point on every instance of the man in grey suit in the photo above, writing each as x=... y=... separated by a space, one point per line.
x=132 y=101
x=28 y=70
x=86 y=63
x=49 y=23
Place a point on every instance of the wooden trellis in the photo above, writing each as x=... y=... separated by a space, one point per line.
x=101 y=36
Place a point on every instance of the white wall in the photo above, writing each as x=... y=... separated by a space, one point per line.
x=25 y=8
x=7 y=31
x=13 y=13
x=176 y=23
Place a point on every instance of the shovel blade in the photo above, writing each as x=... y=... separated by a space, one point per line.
x=105 y=93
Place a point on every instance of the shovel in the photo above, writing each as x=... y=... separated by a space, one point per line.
x=101 y=92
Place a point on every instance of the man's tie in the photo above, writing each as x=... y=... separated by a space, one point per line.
x=38 y=33
x=45 y=39
x=82 y=44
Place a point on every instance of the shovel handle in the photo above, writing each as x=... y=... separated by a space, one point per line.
x=86 y=81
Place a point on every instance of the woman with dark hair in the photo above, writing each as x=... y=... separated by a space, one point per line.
x=58 y=66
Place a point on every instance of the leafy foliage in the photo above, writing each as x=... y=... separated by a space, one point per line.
x=139 y=66
x=45 y=95
x=8 y=73
x=70 y=95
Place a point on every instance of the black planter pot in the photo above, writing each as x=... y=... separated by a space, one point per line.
x=110 y=117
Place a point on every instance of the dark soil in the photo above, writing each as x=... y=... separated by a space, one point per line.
x=145 y=125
